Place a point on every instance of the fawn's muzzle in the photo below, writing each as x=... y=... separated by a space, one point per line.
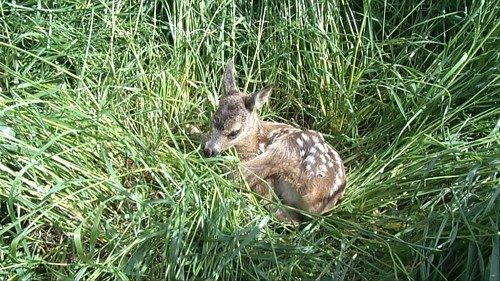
x=211 y=152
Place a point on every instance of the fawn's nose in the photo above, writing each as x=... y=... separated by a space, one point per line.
x=211 y=152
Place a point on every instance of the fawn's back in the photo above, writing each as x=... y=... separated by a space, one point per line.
x=297 y=166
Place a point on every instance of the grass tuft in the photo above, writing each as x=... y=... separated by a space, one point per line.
x=100 y=181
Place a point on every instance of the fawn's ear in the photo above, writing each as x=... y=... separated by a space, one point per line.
x=257 y=99
x=229 y=81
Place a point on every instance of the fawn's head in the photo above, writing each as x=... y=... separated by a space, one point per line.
x=235 y=122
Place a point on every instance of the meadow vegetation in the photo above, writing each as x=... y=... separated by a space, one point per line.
x=100 y=180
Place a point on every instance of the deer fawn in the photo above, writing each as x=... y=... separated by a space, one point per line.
x=297 y=166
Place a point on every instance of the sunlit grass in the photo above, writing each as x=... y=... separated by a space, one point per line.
x=99 y=179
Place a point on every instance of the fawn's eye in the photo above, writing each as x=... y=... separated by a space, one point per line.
x=233 y=134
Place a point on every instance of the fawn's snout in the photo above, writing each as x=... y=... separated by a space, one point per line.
x=211 y=152
x=214 y=146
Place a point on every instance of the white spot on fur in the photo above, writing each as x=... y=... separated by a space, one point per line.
x=316 y=134
x=338 y=179
x=302 y=153
x=321 y=147
x=328 y=158
x=305 y=137
x=262 y=147
x=300 y=142
x=315 y=139
x=311 y=159
x=322 y=157
x=336 y=157
x=330 y=164
x=321 y=171
x=313 y=150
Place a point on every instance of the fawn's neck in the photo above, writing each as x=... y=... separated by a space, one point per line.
x=257 y=136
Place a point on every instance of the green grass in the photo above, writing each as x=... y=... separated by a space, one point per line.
x=99 y=179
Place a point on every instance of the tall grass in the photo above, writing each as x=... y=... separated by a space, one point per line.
x=100 y=181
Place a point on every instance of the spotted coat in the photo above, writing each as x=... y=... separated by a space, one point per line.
x=279 y=161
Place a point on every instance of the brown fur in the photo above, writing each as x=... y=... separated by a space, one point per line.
x=298 y=165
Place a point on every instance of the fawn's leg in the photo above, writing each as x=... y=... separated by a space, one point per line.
x=197 y=133
x=272 y=163
x=270 y=189
x=265 y=172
